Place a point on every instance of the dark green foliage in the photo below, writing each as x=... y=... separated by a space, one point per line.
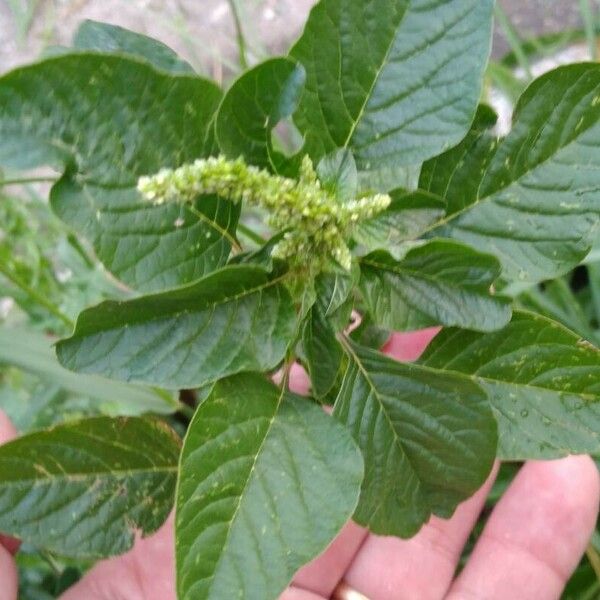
x=385 y=97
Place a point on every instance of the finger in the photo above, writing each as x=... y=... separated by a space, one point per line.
x=7 y=429
x=322 y=575
x=8 y=576
x=389 y=568
x=145 y=573
x=409 y=346
x=536 y=535
x=293 y=593
x=8 y=569
x=299 y=383
x=7 y=433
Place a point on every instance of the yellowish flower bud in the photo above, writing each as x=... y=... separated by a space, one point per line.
x=319 y=223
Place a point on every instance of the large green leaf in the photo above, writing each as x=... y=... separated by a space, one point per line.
x=32 y=352
x=83 y=489
x=396 y=81
x=543 y=382
x=236 y=319
x=535 y=203
x=409 y=215
x=103 y=37
x=253 y=106
x=106 y=120
x=267 y=480
x=428 y=439
x=438 y=283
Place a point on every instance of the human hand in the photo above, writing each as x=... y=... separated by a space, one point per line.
x=533 y=540
x=531 y=544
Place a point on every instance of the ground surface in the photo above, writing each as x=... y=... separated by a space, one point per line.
x=202 y=30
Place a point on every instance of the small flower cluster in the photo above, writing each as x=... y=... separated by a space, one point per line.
x=317 y=224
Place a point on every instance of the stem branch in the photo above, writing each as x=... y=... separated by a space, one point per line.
x=25 y=180
x=512 y=37
x=34 y=295
x=250 y=234
x=239 y=32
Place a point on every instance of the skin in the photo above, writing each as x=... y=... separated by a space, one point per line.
x=531 y=544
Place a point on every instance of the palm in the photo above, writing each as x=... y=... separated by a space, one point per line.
x=529 y=548
x=531 y=543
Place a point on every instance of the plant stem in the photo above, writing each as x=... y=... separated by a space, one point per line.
x=52 y=562
x=592 y=592
x=81 y=251
x=594 y=558
x=513 y=39
x=185 y=410
x=49 y=306
x=241 y=42
x=250 y=234
x=25 y=180
x=594 y=278
x=587 y=16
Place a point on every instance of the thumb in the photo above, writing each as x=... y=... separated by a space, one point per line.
x=8 y=570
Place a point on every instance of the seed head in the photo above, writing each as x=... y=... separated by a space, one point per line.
x=317 y=223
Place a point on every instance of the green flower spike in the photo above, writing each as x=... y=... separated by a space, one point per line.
x=317 y=224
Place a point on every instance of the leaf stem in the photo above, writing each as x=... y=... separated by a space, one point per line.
x=513 y=39
x=25 y=180
x=34 y=295
x=250 y=234
x=239 y=32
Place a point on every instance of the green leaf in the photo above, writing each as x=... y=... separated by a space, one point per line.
x=397 y=82
x=369 y=335
x=334 y=290
x=253 y=106
x=428 y=439
x=32 y=352
x=543 y=382
x=337 y=173
x=267 y=480
x=262 y=256
x=438 y=283
x=106 y=120
x=84 y=489
x=236 y=319
x=455 y=176
x=536 y=202
x=103 y=37
x=557 y=301
x=322 y=351
x=330 y=313
x=409 y=215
